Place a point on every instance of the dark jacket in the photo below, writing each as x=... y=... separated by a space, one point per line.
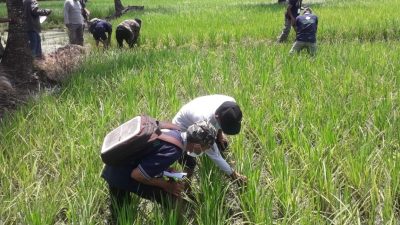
x=32 y=13
x=307 y=26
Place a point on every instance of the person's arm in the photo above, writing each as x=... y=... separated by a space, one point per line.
x=39 y=12
x=66 y=14
x=289 y=13
x=109 y=34
x=216 y=157
x=174 y=188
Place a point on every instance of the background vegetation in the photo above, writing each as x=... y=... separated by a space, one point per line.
x=320 y=138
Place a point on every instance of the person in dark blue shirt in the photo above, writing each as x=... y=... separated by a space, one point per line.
x=306 y=32
x=292 y=11
x=98 y=28
x=144 y=176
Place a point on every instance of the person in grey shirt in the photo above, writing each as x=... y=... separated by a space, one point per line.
x=73 y=20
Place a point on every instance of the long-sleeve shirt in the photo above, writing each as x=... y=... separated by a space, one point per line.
x=32 y=13
x=73 y=12
x=203 y=108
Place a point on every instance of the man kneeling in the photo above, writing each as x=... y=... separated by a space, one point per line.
x=306 y=32
x=143 y=176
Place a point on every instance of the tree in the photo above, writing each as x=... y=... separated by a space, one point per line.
x=118 y=8
x=17 y=58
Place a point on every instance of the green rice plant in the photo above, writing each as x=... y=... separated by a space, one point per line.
x=319 y=140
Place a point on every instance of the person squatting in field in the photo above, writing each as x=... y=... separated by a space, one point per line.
x=98 y=28
x=225 y=115
x=143 y=176
x=32 y=13
x=129 y=31
x=292 y=11
x=306 y=32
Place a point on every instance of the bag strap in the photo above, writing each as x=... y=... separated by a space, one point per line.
x=170 y=139
x=167 y=125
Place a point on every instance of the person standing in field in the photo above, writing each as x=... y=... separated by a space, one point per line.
x=144 y=176
x=306 y=32
x=129 y=31
x=32 y=13
x=98 y=28
x=74 y=22
x=292 y=11
x=225 y=115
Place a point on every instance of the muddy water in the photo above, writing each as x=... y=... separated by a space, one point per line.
x=51 y=39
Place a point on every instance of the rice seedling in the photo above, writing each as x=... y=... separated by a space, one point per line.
x=319 y=141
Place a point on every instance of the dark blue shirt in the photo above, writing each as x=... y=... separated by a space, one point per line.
x=307 y=25
x=295 y=10
x=160 y=157
x=100 y=26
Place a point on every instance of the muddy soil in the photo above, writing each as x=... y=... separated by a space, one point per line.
x=51 y=39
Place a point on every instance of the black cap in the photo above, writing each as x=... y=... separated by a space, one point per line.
x=229 y=117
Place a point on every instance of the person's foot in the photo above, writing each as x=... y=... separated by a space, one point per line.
x=41 y=57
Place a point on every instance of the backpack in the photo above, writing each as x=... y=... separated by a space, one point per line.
x=131 y=140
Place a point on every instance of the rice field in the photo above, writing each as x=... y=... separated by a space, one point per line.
x=320 y=136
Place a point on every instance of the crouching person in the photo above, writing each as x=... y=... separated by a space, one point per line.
x=98 y=28
x=143 y=176
x=306 y=33
x=128 y=31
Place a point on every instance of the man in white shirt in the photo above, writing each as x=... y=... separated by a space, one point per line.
x=73 y=20
x=224 y=114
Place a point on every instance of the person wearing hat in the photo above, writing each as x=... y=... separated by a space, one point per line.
x=306 y=32
x=225 y=115
x=143 y=176
x=98 y=28
x=128 y=30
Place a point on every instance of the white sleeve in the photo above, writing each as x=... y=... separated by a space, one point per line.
x=66 y=8
x=216 y=157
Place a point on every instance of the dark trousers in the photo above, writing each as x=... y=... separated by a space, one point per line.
x=121 y=34
x=120 y=198
x=35 y=44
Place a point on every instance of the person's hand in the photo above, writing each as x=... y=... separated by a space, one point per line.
x=175 y=188
x=238 y=178
x=47 y=12
x=172 y=170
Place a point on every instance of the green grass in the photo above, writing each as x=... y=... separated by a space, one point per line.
x=320 y=137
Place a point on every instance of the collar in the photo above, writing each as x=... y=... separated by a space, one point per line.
x=184 y=138
x=214 y=122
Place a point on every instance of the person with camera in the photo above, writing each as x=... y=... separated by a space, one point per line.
x=32 y=14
